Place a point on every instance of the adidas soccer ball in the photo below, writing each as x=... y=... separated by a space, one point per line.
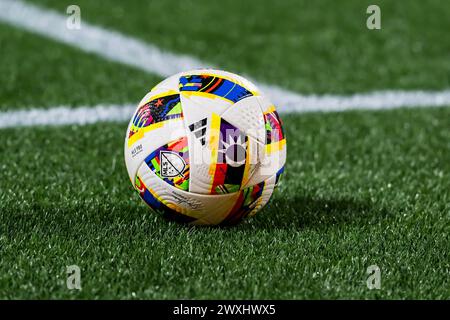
x=205 y=147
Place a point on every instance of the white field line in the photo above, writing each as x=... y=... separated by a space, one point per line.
x=121 y=48
x=64 y=115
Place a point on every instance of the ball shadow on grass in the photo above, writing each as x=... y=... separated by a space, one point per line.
x=305 y=212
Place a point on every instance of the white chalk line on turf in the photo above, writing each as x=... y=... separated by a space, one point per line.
x=121 y=48
x=64 y=115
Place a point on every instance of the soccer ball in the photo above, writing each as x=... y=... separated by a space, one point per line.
x=205 y=147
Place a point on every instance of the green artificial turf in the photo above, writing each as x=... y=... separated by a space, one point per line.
x=361 y=188
x=308 y=46
x=36 y=72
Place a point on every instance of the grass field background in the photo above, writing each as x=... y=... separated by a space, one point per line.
x=361 y=188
